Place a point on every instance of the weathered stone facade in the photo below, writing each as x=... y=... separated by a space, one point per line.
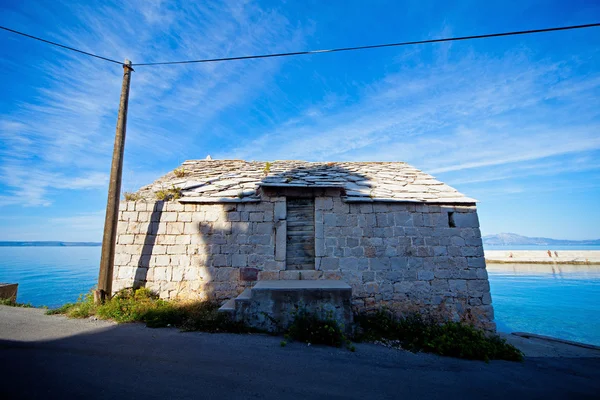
x=406 y=256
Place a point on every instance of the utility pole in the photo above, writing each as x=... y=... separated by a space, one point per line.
x=107 y=259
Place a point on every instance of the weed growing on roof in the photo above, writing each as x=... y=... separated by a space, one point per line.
x=179 y=172
x=131 y=196
x=418 y=333
x=173 y=193
x=267 y=168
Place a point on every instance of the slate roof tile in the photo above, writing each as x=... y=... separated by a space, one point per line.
x=238 y=180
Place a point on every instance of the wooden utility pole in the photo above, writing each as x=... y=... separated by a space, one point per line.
x=107 y=259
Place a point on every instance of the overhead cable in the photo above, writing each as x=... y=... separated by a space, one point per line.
x=374 y=46
x=61 y=45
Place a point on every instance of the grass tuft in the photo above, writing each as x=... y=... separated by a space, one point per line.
x=173 y=193
x=179 y=172
x=12 y=303
x=131 y=196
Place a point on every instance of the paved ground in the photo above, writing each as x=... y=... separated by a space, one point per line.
x=52 y=357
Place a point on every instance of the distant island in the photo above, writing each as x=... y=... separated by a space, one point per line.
x=48 y=244
x=512 y=239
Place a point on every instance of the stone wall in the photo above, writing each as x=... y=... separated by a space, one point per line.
x=403 y=256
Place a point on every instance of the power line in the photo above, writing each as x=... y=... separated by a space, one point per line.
x=375 y=46
x=61 y=45
x=298 y=53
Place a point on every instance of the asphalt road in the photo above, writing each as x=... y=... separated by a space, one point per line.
x=52 y=357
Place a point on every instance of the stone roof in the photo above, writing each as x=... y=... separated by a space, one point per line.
x=217 y=181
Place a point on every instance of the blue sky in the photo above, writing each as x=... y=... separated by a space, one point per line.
x=513 y=122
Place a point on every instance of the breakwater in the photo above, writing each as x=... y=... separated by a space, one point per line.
x=573 y=257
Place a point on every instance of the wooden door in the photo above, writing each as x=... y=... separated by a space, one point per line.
x=300 y=246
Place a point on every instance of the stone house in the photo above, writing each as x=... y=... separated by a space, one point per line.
x=400 y=238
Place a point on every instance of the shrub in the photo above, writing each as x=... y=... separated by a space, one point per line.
x=420 y=333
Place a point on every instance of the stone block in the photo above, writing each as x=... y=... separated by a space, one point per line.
x=323 y=203
x=330 y=263
x=260 y=239
x=457 y=285
x=443 y=274
x=262 y=228
x=467 y=274
x=466 y=220
x=280 y=240
x=486 y=299
x=239 y=260
x=472 y=251
x=379 y=264
x=481 y=273
x=129 y=216
x=268 y=275
x=226 y=274
x=126 y=239
x=144 y=216
x=162 y=260
x=368 y=276
x=256 y=217
x=220 y=260
x=174 y=206
x=319 y=247
x=457 y=241
x=184 y=217
x=478 y=286
x=440 y=251
x=176 y=249
x=425 y=275
x=177 y=274
x=289 y=275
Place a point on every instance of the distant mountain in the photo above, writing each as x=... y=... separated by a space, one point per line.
x=509 y=239
x=48 y=244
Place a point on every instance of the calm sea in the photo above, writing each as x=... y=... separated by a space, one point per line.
x=560 y=300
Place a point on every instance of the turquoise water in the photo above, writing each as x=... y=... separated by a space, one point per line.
x=555 y=300
x=50 y=276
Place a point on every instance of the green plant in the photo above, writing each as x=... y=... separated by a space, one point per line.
x=310 y=328
x=131 y=196
x=283 y=343
x=179 y=172
x=142 y=305
x=12 y=303
x=267 y=168
x=173 y=193
x=416 y=332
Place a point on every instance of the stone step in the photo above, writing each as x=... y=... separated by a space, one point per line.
x=228 y=307
x=272 y=305
x=246 y=295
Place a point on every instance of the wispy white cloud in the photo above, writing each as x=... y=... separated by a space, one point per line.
x=62 y=139
x=458 y=119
